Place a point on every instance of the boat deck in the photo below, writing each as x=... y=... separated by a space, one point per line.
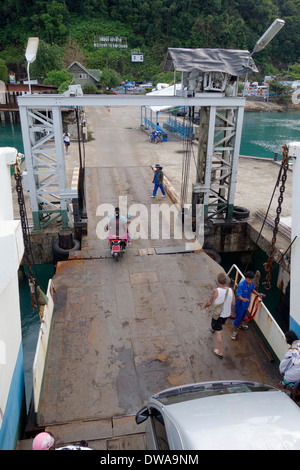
x=125 y=330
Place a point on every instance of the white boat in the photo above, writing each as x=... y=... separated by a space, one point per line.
x=12 y=386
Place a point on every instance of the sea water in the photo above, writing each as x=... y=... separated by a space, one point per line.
x=11 y=136
x=264 y=134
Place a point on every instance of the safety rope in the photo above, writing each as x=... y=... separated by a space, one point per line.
x=254 y=307
x=253 y=311
x=283 y=174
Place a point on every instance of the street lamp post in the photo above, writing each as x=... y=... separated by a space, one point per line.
x=264 y=41
x=30 y=54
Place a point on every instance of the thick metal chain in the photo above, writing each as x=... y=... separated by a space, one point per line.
x=283 y=173
x=24 y=225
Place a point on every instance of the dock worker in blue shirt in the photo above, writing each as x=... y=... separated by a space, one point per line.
x=158 y=181
x=158 y=128
x=243 y=296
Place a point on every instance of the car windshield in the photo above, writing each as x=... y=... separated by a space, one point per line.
x=193 y=392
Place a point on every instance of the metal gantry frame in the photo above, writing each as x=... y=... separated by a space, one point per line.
x=45 y=163
x=218 y=154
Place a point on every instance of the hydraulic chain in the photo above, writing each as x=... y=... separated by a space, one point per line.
x=283 y=176
x=24 y=225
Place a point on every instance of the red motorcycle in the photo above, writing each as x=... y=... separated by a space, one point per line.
x=117 y=246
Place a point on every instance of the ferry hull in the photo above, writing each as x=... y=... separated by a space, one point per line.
x=12 y=384
x=13 y=414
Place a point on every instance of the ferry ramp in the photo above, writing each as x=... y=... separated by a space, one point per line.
x=125 y=330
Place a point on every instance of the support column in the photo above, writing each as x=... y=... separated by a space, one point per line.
x=202 y=150
x=239 y=117
x=209 y=157
x=61 y=167
x=25 y=126
x=217 y=163
x=45 y=163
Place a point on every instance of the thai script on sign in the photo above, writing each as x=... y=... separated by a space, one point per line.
x=110 y=41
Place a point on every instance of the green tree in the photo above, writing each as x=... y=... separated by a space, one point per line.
x=48 y=58
x=3 y=71
x=51 y=18
x=73 y=52
x=110 y=78
x=57 y=77
x=294 y=71
x=282 y=92
x=148 y=26
x=90 y=89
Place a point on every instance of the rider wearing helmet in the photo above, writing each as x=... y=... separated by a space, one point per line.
x=46 y=441
x=43 y=441
x=117 y=225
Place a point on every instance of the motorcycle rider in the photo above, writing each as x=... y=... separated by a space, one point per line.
x=157 y=131
x=46 y=441
x=117 y=226
x=43 y=441
x=158 y=128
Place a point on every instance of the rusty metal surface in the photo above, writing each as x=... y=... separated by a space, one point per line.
x=123 y=331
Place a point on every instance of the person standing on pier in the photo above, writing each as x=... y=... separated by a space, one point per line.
x=158 y=181
x=66 y=138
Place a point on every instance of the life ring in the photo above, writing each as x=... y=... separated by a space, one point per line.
x=213 y=255
x=240 y=212
x=61 y=254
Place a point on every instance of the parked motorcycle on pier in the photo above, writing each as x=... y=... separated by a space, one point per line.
x=155 y=137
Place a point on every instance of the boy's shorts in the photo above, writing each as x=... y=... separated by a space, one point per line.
x=217 y=324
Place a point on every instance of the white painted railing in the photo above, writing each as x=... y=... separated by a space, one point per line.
x=39 y=363
x=264 y=320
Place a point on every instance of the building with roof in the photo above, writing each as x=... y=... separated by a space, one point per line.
x=84 y=76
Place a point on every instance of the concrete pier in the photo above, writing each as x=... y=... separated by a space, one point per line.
x=123 y=331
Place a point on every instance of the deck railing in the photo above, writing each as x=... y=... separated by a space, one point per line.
x=39 y=362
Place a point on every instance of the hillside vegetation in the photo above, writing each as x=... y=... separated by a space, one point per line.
x=67 y=28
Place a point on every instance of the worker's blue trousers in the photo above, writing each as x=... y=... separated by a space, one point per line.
x=156 y=186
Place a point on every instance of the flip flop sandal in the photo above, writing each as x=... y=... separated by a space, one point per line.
x=215 y=351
